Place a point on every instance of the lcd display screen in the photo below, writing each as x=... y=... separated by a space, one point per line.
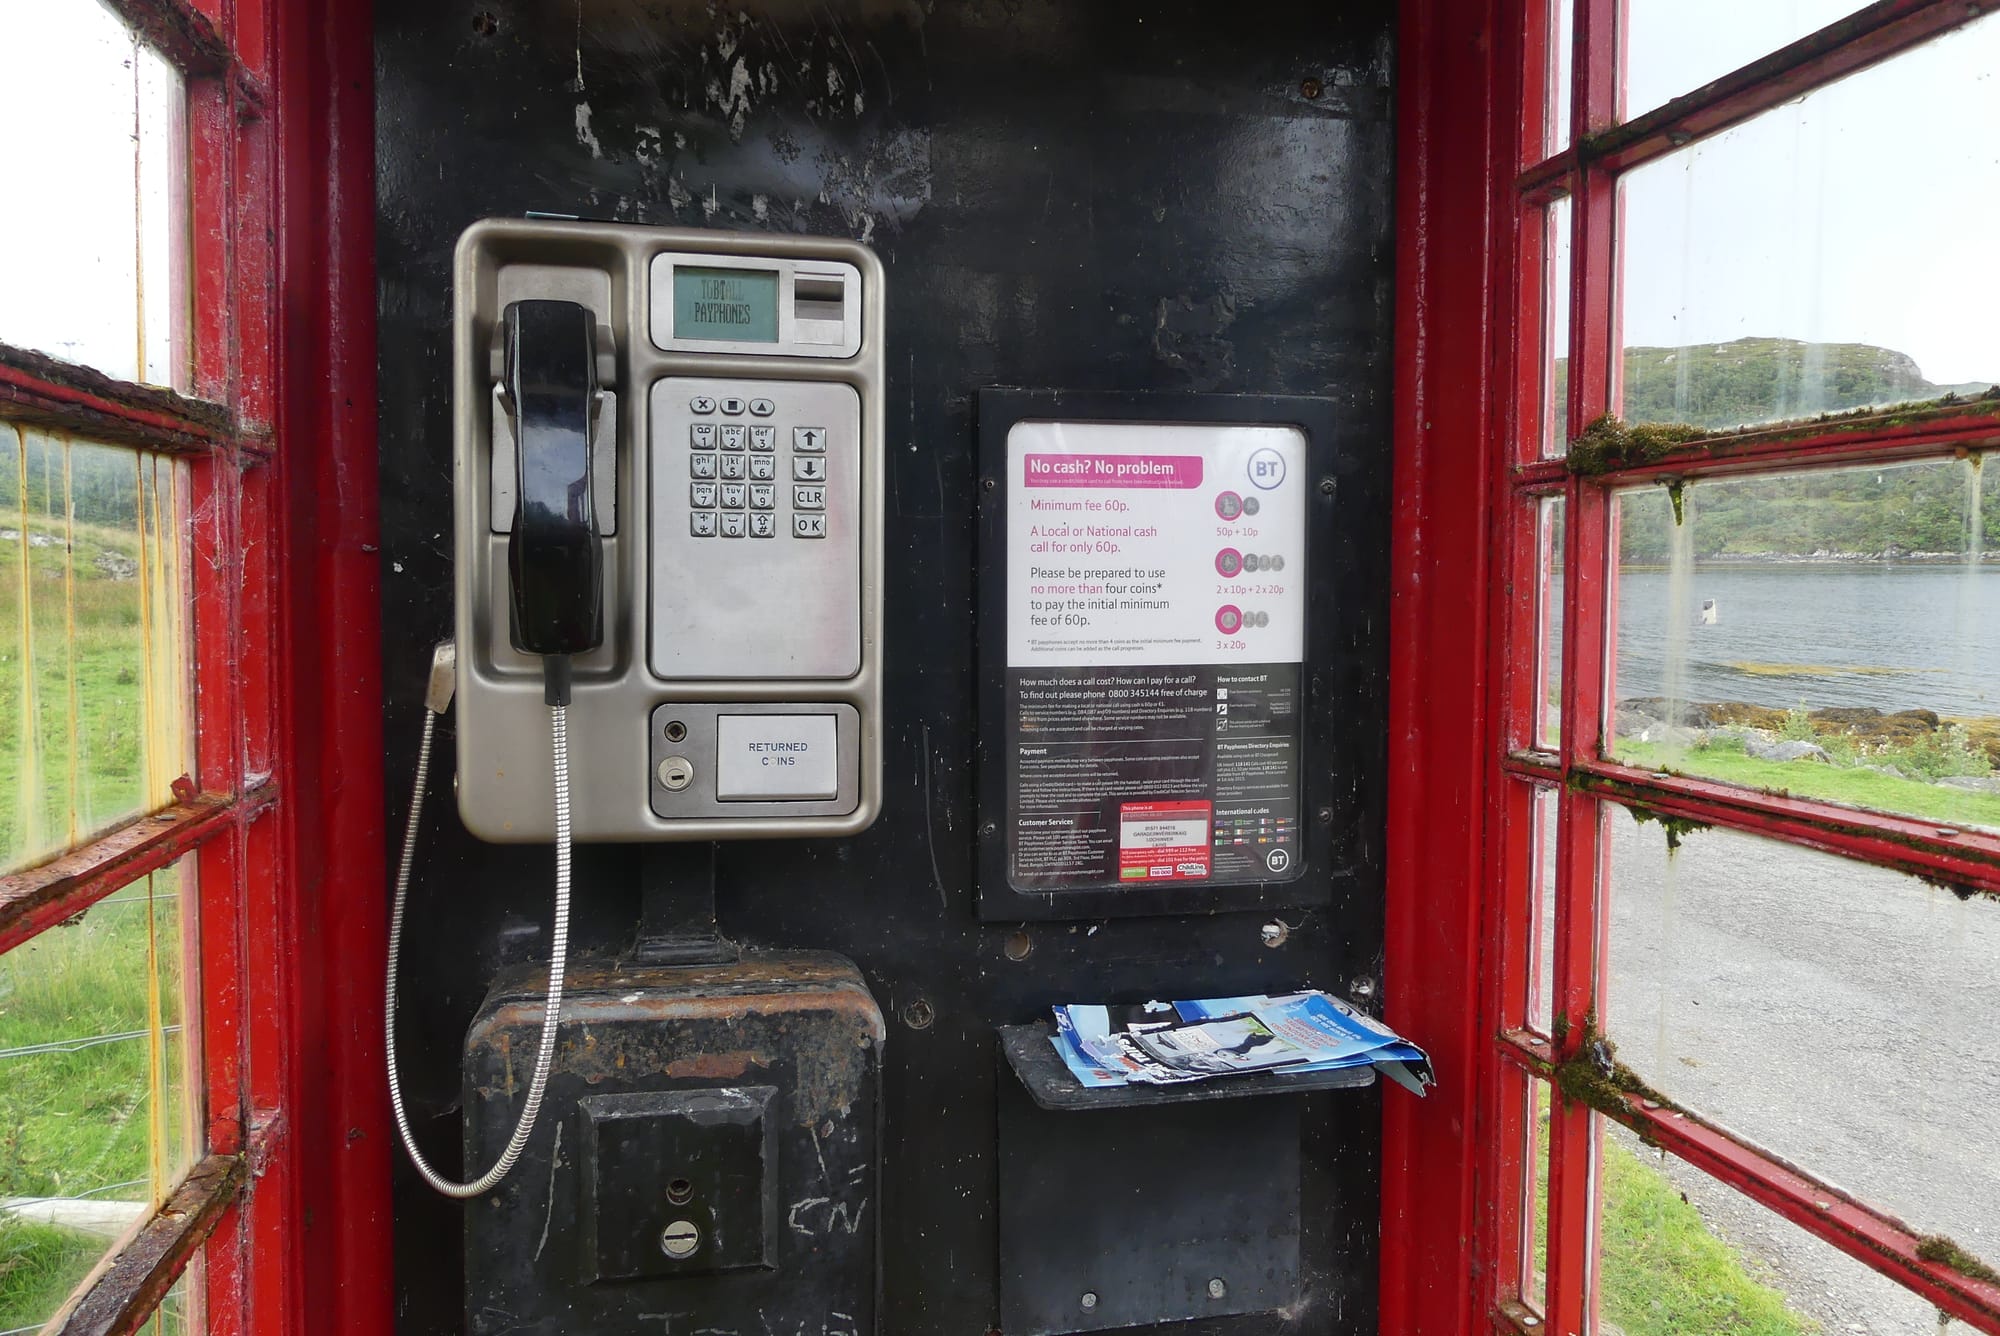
x=732 y=305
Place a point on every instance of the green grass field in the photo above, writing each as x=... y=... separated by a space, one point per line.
x=92 y=1095
x=85 y=1122
x=1725 y=760
x=1661 y=1271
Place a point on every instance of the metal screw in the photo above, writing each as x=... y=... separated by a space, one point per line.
x=1216 y=1289
x=919 y=1015
x=1019 y=946
x=988 y=484
x=1088 y=1301
x=1326 y=486
x=1310 y=88
x=679 y=1239
x=989 y=830
x=1361 y=989
x=1325 y=815
x=1275 y=932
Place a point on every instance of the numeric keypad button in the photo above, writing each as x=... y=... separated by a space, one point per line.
x=732 y=435
x=763 y=525
x=732 y=467
x=732 y=524
x=763 y=496
x=763 y=467
x=763 y=438
x=732 y=496
x=702 y=436
x=808 y=470
x=701 y=466
x=809 y=440
x=701 y=495
x=702 y=524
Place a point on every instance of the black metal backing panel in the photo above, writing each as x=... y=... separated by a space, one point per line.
x=1122 y=195
x=1341 y=559
x=1130 y=1217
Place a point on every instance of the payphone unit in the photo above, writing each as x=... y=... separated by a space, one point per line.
x=668 y=504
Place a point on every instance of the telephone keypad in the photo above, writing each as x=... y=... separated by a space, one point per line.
x=742 y=456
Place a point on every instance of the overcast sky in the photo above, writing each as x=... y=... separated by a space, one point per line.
x=1861 y=214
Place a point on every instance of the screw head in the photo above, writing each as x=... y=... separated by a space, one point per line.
x=1019 y=946
x=1310 y=88
x=919 y=1015
x=680 y=1239
x=1274 y=933
x=1088 y=1301
x=1216 y=1288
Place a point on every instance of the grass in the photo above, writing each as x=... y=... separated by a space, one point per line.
x=1724 y=759
x=74 y=763
x=85 y=1122
x=1662 y=1272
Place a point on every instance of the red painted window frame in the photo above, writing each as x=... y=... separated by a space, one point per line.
x=1465 y=659
x=288 y=1209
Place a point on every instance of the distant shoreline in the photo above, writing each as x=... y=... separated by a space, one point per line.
x=1937 y=560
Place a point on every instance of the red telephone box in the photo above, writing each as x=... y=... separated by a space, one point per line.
x=1643 y=761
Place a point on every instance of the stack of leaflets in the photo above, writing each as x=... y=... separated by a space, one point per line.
x=1158 y=1043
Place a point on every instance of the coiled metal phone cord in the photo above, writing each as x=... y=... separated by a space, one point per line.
x=436 y=702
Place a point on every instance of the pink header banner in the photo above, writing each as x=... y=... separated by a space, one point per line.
x=1093 y=470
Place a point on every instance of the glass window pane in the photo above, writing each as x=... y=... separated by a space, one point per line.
x=1562 y=52
x=97 y=1116
x=92 y=245
x=1763 y=277
x=1839 y=1015
x=1549 y=595
x=1829 y=634
x=1542 y=934
x=93 y=684
x=1535 y=1200
x=1675 y=46
x=1682 y=1253
x=1555 y=321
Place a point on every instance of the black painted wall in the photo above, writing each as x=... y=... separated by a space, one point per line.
x=1173 y=195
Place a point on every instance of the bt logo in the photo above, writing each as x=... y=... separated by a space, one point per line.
x=1267 y=469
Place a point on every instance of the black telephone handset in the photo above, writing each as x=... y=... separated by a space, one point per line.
x=555 y=559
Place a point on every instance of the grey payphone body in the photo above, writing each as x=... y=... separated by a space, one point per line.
x=737 y=490
x=668 y=504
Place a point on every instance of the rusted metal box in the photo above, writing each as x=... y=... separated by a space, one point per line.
x=706 y=1156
